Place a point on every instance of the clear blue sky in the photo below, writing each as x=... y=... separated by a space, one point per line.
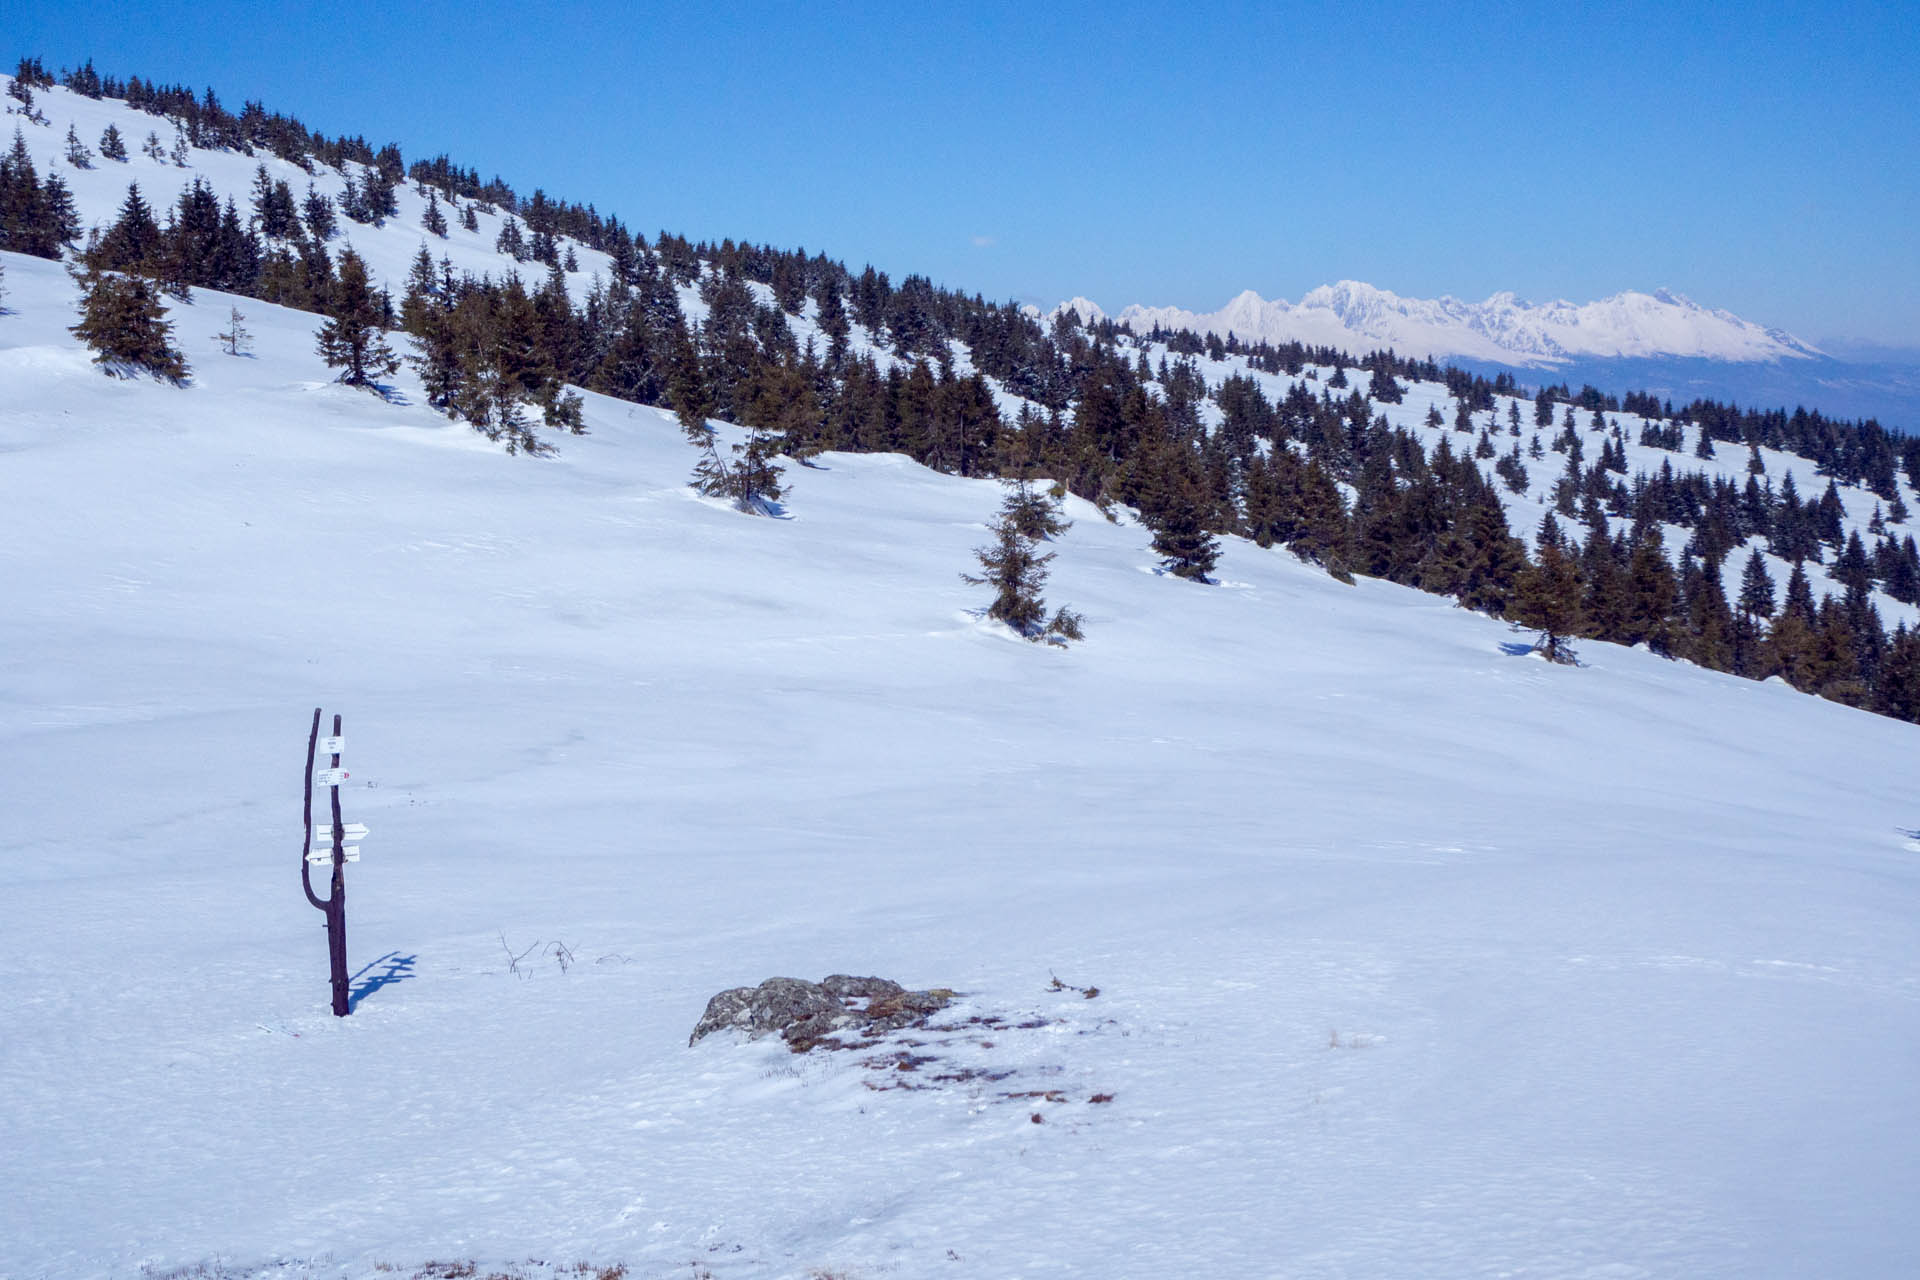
x=1764 y=158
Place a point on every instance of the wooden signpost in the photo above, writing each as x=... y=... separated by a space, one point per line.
x=328 y=847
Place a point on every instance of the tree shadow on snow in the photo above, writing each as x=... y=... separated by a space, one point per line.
x=398 y=969
x=1517 y=648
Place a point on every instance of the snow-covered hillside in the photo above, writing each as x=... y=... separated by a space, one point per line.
x=1422 y=400
x=1358 y=317
x=388 y=249
x=1415 y=956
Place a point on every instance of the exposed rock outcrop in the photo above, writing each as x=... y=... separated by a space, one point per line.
x=804 y=1013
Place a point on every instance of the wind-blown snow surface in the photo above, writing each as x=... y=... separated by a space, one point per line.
x=1415 y=958
x=1505 y=329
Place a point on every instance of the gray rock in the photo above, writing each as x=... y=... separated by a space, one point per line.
x=803 y=1013
x=842 y=986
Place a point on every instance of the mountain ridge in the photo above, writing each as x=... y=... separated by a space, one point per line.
x=1504 y=328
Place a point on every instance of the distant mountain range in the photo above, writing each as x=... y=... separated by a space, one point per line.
x=1660 y=342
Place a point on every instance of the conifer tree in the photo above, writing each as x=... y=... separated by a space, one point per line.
x=123 y=320
x=434 y=220
x=1651 y=594
x=236 y=338
x=26 y=218
x=1897 y=689
x=77 y=153
x=274 y=215
x=133 y=243
x=756 y=487
x=1015 y=567
x=1174 y=503
x=687 y=389
x=1549 y=596
x=510 y=241
x=317 y=211
x=1382 y=388
x=351 y=339
x=112 y=145
x=1756 y=588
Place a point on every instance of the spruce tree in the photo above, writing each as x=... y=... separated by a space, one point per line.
x=1174 y=504
x=317 y=212
x=236 y=338
x=434 y=220
x=1549 y=596
x=351 y=339
x=77 y=153
x=1756 y=588
x=134 y=242
x=1382 y=388
x=1015 y=567
x=1651 y=593
x=123 y=320
x=1897 y=687
x=112 y=145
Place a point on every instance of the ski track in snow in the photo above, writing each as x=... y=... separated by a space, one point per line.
x=1415 y=958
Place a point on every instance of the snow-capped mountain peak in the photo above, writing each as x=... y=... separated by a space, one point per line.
x=1086 y=308
x=1358 y=316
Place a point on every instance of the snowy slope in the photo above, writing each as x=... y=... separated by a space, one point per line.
x=1358 y=317
x=1416 y=958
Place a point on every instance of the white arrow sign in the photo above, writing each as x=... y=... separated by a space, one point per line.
x=323 y=833
x=351 y=853
x=330 y=777
x=333 y=746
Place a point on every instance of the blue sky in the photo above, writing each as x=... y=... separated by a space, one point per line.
x=1764 y=158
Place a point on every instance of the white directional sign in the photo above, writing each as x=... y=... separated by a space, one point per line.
x=351 y=854
x=330 y=777
x=323 y=833
x=333 y=746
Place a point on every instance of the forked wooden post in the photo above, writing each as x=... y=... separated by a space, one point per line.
x=335 y=904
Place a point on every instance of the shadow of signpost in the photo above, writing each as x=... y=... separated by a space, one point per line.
x=398 y=968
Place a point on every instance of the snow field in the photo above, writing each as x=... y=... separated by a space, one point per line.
x=1415 y=957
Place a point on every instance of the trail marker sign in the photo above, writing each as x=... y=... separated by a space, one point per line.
x=326 y=845
x=324 y=857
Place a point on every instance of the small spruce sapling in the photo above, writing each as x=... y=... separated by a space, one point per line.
x=112 y=145
x=77 y=153
x=236 y=338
